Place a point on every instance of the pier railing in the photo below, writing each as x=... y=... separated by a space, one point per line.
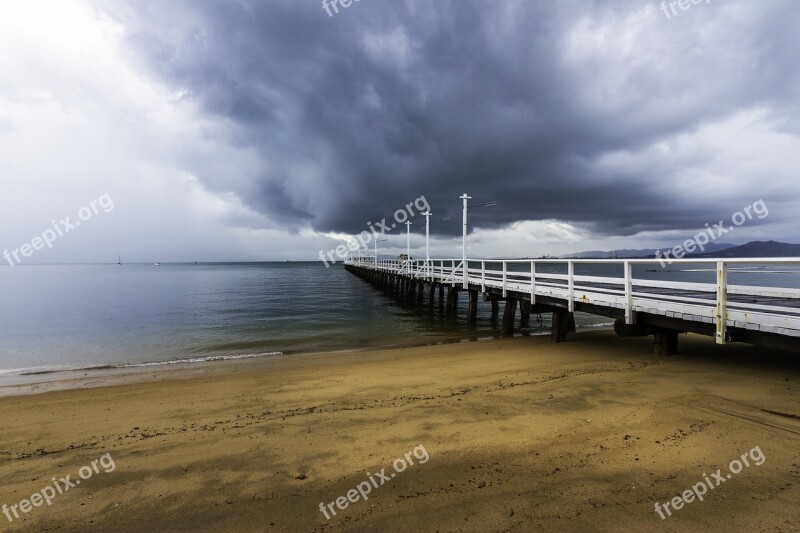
x=770 y=309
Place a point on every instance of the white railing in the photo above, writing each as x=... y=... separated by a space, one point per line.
x=777 y=310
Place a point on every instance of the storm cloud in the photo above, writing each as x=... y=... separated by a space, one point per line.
x=605 y=115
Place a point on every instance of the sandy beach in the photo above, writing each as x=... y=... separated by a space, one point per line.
x=506 y=435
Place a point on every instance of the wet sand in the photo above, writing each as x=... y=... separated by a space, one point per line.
x=520 y=434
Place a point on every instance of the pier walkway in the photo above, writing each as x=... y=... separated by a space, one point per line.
x=732 y=300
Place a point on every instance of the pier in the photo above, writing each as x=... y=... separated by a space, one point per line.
x=642 y=297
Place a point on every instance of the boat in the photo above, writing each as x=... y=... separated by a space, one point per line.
x=156 y=264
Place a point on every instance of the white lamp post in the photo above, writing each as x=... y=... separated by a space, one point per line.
x=464 y=198
x=427 y=215
x=467 y=207
x=408 y=246
x=376 y=240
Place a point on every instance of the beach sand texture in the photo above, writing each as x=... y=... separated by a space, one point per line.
x=522 y=435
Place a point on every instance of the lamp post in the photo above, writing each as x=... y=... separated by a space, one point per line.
x=376 y=240
x=408 y=246
x=467 y=207
x=464 y=198
x=427 y=216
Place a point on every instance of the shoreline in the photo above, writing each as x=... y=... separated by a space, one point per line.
x=521 y=434
x=22 y=382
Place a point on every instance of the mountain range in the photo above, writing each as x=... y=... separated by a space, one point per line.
x=751 y=249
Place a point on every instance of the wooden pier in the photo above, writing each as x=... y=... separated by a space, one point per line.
x=641 y=304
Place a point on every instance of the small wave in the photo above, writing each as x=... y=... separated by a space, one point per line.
x=39 y=370
x=43 y=370
x=206 y=359
x=596 y=325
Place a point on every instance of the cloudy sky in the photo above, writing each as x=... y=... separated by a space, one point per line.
x=258 y=130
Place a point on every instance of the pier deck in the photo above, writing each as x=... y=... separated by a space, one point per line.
x=733 y=300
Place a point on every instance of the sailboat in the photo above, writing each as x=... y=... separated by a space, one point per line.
x=119 y=260
x=156 y=264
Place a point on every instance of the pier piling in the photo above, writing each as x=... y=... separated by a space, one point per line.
x=452 y=300
x=525 y=312
x=563 y=323
x=666 y=342
x=472 y=306
x=509 y=315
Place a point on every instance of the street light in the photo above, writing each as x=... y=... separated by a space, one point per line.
x=467 y=207
x=427 y=215
x=464 y=198
x=376 y=240
x=408 y=246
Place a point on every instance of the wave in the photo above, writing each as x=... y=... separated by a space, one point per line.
x=206 y=359
x=42 y=370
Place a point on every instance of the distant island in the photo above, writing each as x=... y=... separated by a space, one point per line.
x=751 y=249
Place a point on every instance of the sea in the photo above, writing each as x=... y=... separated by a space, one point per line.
x=57 y=318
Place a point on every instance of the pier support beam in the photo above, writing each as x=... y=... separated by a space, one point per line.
x=472 y=306
x=509 y=315
x=525 y=312
x=495 y=308
x=431 y=293
x=666 y=342
x=563 y=323
x=452 y=300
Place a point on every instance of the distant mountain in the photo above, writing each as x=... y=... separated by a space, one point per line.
x=712 y=248
x=756 y=249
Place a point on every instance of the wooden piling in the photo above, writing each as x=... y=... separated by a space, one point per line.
x=666 y=342
x=452 y=300
x=525 y=312
x=563 y=323
x=472 y=306
x=509 y=315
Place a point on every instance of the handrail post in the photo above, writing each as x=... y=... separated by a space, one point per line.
x=628 y=293
x=504 y=279
x=722 y=303
x=571 y=285
x=533 y=282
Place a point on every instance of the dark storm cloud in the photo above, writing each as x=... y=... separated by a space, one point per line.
x=357 y=114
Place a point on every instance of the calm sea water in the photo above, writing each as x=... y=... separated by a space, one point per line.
x=78 y=316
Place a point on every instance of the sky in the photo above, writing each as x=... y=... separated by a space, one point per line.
x=269 y=130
